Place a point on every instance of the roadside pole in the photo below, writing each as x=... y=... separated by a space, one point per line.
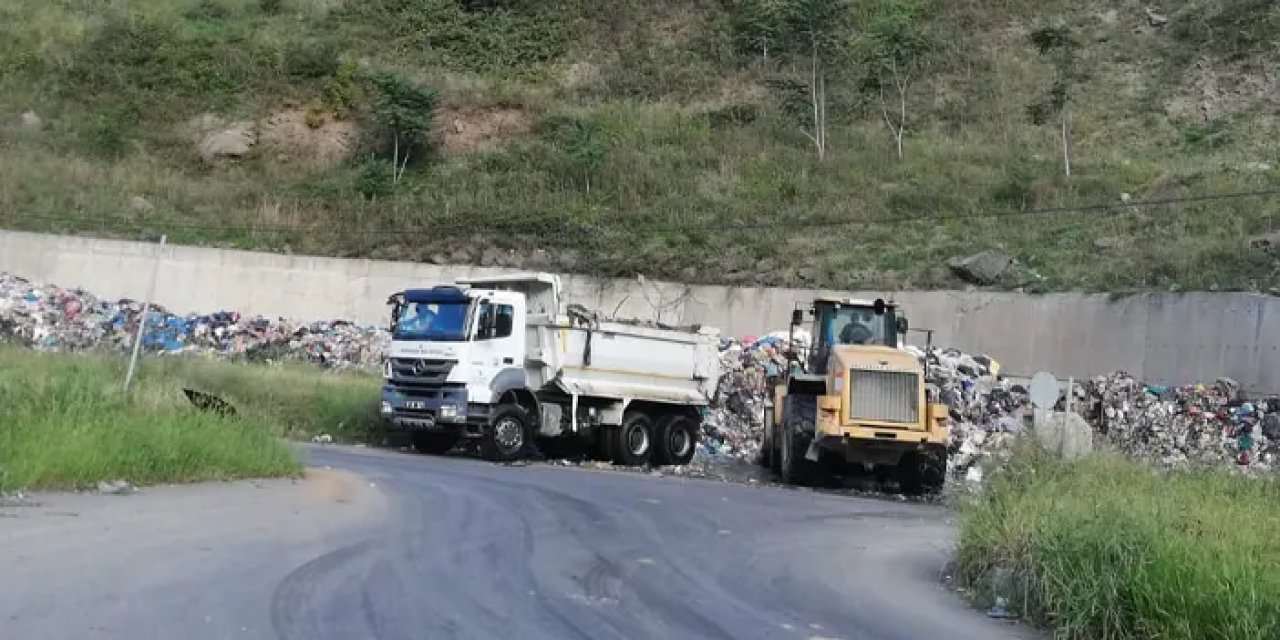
x=142 y=320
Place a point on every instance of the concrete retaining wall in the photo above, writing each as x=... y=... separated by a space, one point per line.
x=1167 y=338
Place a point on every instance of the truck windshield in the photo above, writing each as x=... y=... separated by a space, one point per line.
x=444 y=322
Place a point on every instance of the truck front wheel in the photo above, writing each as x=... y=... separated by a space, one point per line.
x=633 y=444
x=677 y=440
x=507 y=434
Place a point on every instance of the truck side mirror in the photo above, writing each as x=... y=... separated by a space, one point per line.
x=797 y=317
x=902 y=325
x=879 y=306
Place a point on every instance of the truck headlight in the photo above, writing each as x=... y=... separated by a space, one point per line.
x=386 y=369
x=386 y=409
x=448 y=412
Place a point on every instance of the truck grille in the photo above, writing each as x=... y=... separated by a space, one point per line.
x=884 y=396
x=414 y=372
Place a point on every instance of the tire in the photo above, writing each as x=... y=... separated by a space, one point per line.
x=602 y=443
x=633 y=442
x=794 y=469
x=434 y=443
x=507 y=435
x=797 y=433
x=677 y=440
x=922 y=472
x=766 y=439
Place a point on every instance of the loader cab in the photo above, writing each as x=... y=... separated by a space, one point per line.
x=843 y=322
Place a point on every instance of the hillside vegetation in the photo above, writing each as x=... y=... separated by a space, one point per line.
x=670 y=138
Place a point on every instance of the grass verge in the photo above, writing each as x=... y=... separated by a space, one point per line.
x=64 y=422
x=1107 y=549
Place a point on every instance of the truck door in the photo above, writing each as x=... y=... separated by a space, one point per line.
x=497 y=354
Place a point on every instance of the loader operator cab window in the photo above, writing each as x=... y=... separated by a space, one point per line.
x=858 y=329
x=857 y=326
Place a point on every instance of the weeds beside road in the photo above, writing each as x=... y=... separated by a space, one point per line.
x=1108 y=549
x=65 y=421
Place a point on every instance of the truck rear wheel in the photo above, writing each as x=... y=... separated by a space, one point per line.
x=677 y=440
x=506 y=435
x=633 y=441
x=433 y=443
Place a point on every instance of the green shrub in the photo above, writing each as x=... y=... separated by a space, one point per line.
x=311 y=58
x=1201 y=138
x=109 y=133
x=375 y=178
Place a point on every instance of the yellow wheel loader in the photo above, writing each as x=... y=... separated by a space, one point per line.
x=854 y=402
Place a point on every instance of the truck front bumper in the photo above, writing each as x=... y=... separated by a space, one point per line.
x=441 y=410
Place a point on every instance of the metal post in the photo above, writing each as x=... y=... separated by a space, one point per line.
x=142 y=320
x=1071 y=393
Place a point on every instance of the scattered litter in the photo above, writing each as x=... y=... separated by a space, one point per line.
x=17 y=499
x=1000 y=609
x=116 y=487
x=209 y=403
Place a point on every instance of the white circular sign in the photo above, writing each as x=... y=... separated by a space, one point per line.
x=1044 y=391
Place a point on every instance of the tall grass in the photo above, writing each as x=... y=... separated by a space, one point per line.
x=1108 y=549
x=65 y=422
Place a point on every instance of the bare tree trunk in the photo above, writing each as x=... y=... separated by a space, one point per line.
x=902 y=105
x=818 y=96
x=822 y=108
x=894 y=130
x=395 y=160
x=1066 y=144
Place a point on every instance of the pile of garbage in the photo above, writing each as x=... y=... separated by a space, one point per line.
x=1172 y=427
x=1199 y=424
x=51 y=318
x=733 y=427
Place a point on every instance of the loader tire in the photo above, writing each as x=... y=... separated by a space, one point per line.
x=794 y=468
x=434 y=443
x=507 y=435
x=922 y=472
x=677 y=440
x=767 y=455
x=633 y=442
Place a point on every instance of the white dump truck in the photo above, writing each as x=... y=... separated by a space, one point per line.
x=502 y=361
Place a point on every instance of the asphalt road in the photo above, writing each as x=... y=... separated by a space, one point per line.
x=457 y=548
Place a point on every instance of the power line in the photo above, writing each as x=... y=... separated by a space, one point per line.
x=515 y=225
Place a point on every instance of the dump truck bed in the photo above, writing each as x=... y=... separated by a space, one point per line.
x=621 y=360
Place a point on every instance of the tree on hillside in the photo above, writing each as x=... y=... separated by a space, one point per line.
x=1057 y=45
x=893 y=49
x=809 y=30
x=404 y=113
